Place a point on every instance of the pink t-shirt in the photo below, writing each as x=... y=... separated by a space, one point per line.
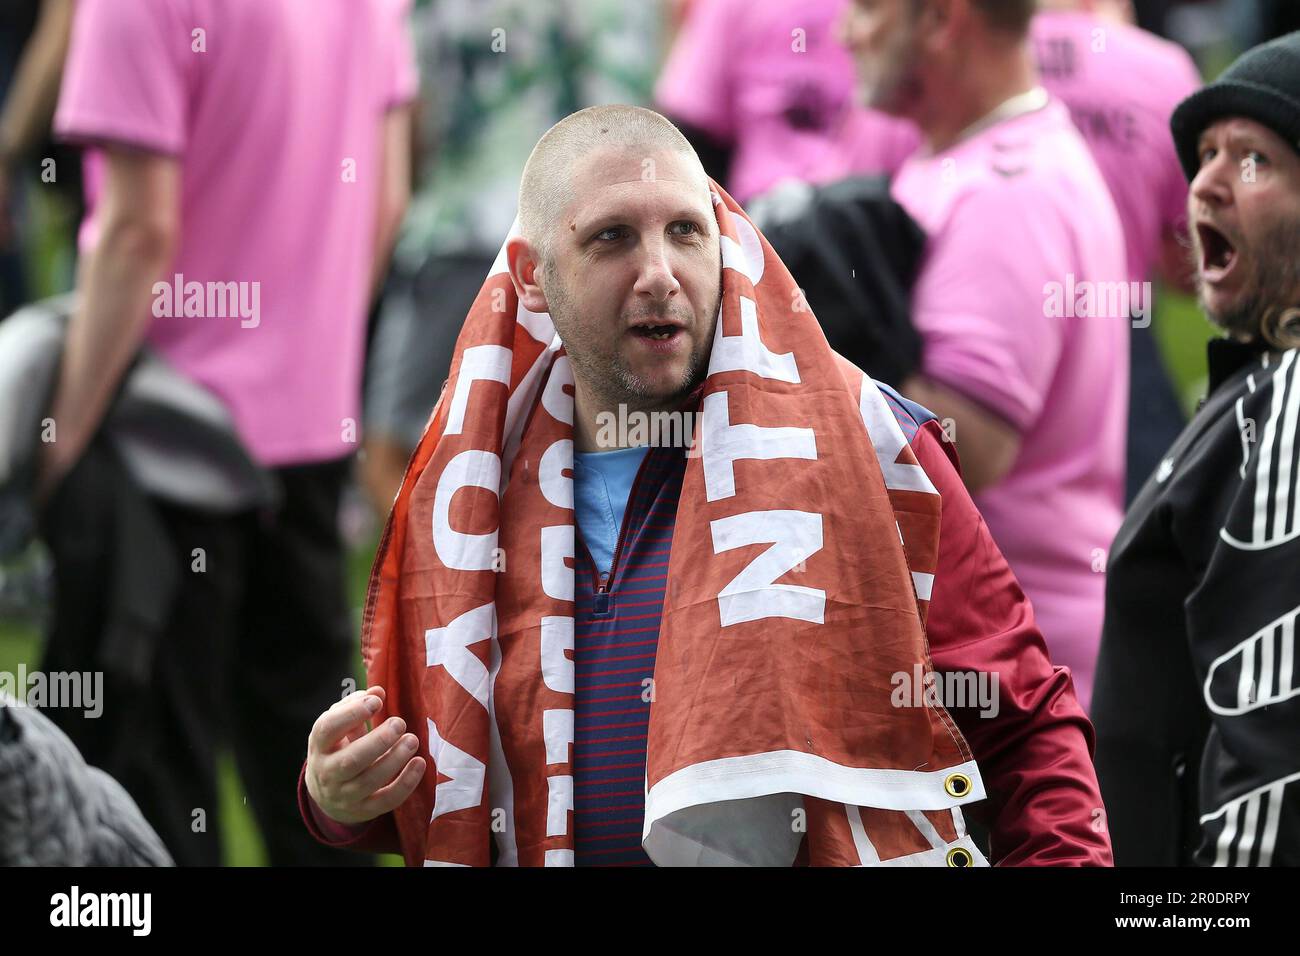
x=771 y=79
x=1121 y=85
x=1012 y=212
x=273 y=109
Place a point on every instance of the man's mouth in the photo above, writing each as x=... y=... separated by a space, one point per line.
x=1218 y=254
x=656 y=330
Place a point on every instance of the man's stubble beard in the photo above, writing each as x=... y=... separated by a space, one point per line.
x=897 y=87
x=1272 y=289
x=605 y=372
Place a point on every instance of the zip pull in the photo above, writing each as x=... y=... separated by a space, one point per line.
x=602 y=597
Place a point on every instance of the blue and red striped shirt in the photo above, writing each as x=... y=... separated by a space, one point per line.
x=616 y=630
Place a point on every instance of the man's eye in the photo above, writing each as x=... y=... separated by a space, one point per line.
x=612 y=234
x=1256 y=156
x=1208 y=154
x=689 y=228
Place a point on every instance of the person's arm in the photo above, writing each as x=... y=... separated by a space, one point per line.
x=990 y=349
x=396 y=111
x=1239 y=622
x=394 y=188
x=138 y=225
x=29 y=107
x=34 y=92
x=989 y=443
x=1035 y=752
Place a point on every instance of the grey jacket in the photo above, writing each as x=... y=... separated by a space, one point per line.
x=57 y=811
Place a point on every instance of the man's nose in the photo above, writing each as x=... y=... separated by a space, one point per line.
x=1213 y=182
x=656 y=278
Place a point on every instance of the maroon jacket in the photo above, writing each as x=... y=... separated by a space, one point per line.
x=1044 y=805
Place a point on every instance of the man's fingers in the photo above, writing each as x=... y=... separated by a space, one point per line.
x=381 y=773
x=395 y=794
x=375 y=691
x=354 y=758
x=356 y=732
x=349 y=714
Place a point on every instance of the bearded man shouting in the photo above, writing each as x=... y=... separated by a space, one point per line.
x=1196 y=701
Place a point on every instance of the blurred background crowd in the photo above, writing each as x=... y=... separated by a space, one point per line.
x=493 y=75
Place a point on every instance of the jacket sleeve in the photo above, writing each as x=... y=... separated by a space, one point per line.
x=1241 y=617
x=377 y=836
x=1034 y=747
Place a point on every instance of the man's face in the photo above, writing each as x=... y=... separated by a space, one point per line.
x=634 y=279
x=1244 y=214
x=881 y=35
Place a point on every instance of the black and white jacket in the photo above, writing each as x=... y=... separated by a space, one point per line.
x=1197 y=699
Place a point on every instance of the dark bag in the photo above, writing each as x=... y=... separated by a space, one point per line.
x=855 y=253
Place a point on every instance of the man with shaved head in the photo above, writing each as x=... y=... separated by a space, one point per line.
x=600 y=665
x=622 y=158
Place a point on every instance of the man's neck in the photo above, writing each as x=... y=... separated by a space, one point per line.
x=988 y=84
x=593 y=416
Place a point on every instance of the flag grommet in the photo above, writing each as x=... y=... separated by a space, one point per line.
x=957 y=785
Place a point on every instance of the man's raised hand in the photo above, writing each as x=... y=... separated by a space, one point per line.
x=355 y=774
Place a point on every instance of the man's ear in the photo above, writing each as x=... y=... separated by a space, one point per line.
x=942 y=24
x=525 y=272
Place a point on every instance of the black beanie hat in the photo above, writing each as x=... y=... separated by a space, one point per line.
x=1263 y=85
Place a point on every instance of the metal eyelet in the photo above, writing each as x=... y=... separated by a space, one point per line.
x=960 y=856
x=957 y=785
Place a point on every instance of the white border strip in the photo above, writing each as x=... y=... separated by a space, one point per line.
x=792 y=771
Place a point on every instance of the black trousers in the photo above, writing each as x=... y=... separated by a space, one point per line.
x=254 y=643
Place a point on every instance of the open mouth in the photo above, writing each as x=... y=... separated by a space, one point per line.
x=1218 y=255
x=658 y=333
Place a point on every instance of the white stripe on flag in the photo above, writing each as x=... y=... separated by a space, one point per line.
x=866 y=850
x=922 y=823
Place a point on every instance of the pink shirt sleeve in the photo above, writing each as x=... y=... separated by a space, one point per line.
x=695 y=85
x=404 y=82
x=980 y=304
x=126 y=79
